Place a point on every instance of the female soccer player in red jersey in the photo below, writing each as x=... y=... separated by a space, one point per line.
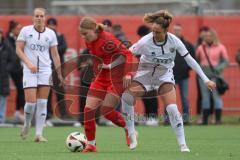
x=109 y=81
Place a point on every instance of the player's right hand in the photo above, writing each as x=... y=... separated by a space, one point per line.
x=33 y=68
x=127 y=81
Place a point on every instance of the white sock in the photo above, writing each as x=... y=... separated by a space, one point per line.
x=41 y=114
x=93 y=142
x=128 y=111
x=29 y=109
x=176 y=123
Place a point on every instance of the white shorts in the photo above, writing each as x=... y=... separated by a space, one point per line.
x=153 y=77
x=33 y=80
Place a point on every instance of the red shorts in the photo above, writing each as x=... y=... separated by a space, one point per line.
x=99 y=89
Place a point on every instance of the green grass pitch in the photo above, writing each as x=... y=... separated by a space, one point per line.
x=155 y=143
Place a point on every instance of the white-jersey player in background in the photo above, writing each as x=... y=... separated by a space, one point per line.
x=34 y=45
x=157 y=51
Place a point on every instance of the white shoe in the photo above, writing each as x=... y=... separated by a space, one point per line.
x=24 y=132
x=77 y=124
x=184 y=148
x=152 y=122
x=18 y=117
x=133 y=138
x=40 y=139
x=49 y=123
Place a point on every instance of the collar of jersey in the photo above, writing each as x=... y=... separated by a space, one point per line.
x=38 y=31
x=165 y=41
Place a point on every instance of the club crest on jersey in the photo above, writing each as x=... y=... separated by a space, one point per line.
x=109 y=46
x=30 y=36
x=46 y=39
x=172 y=50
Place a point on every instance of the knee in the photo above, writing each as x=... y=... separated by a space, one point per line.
x=128 y=98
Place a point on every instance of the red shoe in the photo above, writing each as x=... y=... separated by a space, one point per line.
x=90 y=148
x=128 y=141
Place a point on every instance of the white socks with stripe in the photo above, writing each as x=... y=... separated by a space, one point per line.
x=176 y=123
x=41 y=114
x=128 y=111
x=29 y=109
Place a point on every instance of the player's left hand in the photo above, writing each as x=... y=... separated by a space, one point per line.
x=211 y=85
x=127 y=81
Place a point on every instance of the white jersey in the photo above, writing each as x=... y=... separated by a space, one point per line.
x=37 y=46
x=159 y=54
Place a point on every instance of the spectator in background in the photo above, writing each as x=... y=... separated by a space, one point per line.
x=237 y=57
x=218 y=57
x=6 y=65
x=181 y=72
x=151 y=103
x=202 y=33
x=62 y=47
x=108 y=25
x=17 y=72
x=117 y=31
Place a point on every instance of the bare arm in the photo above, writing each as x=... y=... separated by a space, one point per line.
x=120 y=60
x=56 y=61
x=20 y=52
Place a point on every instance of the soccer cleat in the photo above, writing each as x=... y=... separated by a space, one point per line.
x=133 y=138
x=24 y=132
x=40 y=139
x=184 y=148
x=90 y=148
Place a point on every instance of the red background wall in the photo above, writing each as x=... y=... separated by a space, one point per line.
x=226 y=27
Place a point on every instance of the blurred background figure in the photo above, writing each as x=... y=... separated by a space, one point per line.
x=202 y=32
x=181 y=72
x=6 y=65
x=218 y=57
x=150 y=103
x=237 y=57
x=116 y=29
x=85 y=66
x=62 y=47
x=17 y=72
x=108 y=25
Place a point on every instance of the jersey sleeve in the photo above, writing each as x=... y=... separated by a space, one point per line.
x=182 y=50
x=137 y=49
x=53 y=42
x=22 y=35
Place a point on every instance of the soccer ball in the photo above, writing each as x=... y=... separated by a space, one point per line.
x=76 y=142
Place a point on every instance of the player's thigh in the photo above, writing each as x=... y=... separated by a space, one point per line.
x=43 y=92
x=136 y=89
x=111 y=100
x=167 y=93
x=30 y=95
x=93 y=102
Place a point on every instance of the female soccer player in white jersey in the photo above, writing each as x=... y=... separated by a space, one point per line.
x=34 y=45
x=157 y=51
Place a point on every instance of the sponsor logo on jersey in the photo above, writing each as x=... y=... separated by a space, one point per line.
x=109 y=47
x=37 y=47
x=172 y=50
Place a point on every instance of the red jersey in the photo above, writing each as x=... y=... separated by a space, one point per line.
x=106 y=47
